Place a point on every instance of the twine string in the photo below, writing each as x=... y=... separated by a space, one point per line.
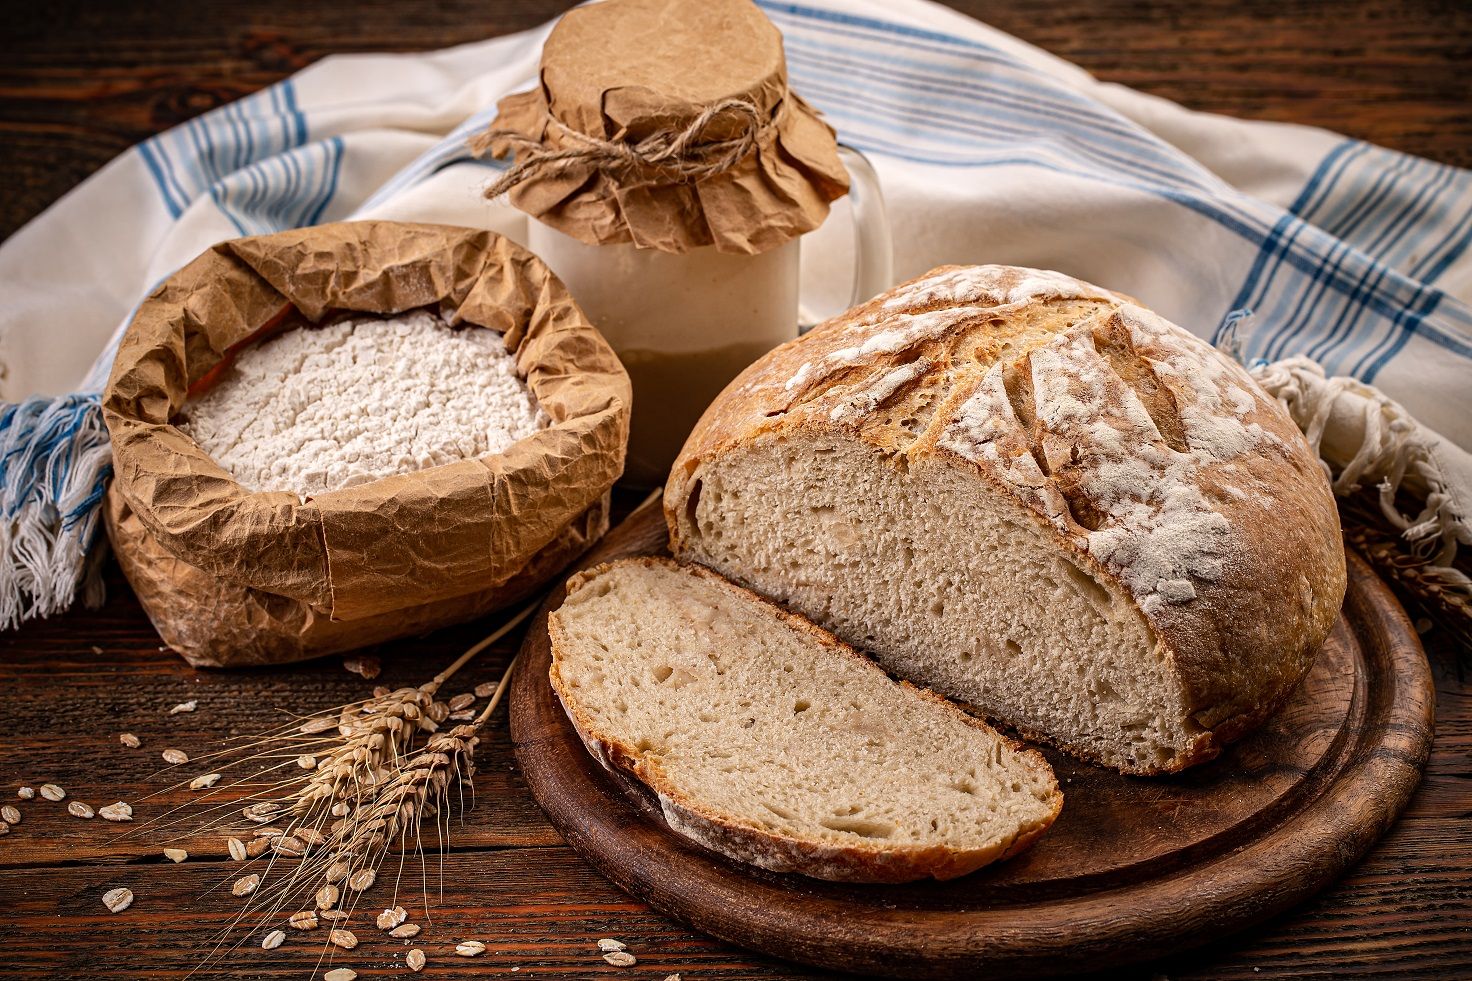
x=667 y=156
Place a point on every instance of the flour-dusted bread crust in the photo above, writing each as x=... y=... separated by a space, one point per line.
x=768 y=740
x=1032 y=495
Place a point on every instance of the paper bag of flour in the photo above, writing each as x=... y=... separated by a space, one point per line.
x=230 y=576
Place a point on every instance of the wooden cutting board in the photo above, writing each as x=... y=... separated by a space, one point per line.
x=1134 y=868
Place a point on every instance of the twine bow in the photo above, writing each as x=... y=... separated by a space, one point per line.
x=664 y=157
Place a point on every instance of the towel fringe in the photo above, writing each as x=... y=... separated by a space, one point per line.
x=1393 y=454
x=55 y=460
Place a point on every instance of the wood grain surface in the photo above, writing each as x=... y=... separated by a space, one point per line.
x=82 y=81
x=1130 y=867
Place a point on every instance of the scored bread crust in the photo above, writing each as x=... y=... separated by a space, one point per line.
x=1254 y=569
x=729 y=834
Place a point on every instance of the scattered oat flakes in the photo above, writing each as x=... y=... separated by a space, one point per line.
x=119 y=811
x=256 y=847
x=364 y=667
x=77 y=809
x=320 y=724
x=343 y=938
x=470 y=948
x=175 y=855
x=310 y=836
x=4 y=828
x=204 y=782
x=10 y=814
x=672 y=977
x=327 y=896
x=175 y=756
x=380 y=690
x=391 y=918
x=608 y=943
x=273 y=939
x=462 y=701
x=404 y=931
x=362 y=880
x=25 y=793
x=305 y=920
x=183 y=707
x=289 y=845
x=485 y=689
x=437 y=712
x=118 y=899
x=246 y=884
x=129 y=740
x=51 y=791
x=333 y=915
x=307 y=761
x=237 y=849
x=467 y=716
x=620 y=958
x=337 y=871
x=96 y=649
x=340 y=974
x=415 y=960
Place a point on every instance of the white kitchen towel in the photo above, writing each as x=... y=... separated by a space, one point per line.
x=1272 y=239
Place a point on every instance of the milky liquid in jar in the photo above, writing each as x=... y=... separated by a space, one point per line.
x=684 y=325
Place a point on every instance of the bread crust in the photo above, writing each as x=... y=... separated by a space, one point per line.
x=1049 y=388
x=730 y=835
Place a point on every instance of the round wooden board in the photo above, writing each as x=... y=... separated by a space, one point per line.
x=1133 y=869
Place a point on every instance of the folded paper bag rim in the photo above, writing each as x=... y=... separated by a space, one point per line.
x=401 y=541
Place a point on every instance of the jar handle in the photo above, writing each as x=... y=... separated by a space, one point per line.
x=873 y=245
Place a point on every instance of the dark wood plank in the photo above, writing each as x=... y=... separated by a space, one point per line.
x=1131 y=866
x=84 y=81
x=538 y=910
x=77 y=701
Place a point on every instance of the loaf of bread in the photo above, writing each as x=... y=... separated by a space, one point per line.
x=769 y=741
x=1035 y=497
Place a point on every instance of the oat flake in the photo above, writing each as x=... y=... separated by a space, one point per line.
x=117 y=900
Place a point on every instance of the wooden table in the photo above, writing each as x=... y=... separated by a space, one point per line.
x=82 y=82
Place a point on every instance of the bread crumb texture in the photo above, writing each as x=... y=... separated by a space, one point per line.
x=1034 y=496
x=317 y=409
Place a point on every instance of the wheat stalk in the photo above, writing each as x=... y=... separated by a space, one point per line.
x=379 y=768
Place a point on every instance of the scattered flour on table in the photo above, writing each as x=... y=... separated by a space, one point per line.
x=319 y=409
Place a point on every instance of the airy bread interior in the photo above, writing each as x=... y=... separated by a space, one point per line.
x=948 y=584
x=768 y=740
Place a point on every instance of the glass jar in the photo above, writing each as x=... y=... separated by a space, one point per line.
x=685 y=324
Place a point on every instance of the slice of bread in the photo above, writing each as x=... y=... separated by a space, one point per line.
x=768 y=740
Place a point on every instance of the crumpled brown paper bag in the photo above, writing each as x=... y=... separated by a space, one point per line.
x=230 y=576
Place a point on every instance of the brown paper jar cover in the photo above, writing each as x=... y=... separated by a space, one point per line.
x=274 y=578
x=623 y=70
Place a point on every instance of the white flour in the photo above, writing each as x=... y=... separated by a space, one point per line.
x=319 y=409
